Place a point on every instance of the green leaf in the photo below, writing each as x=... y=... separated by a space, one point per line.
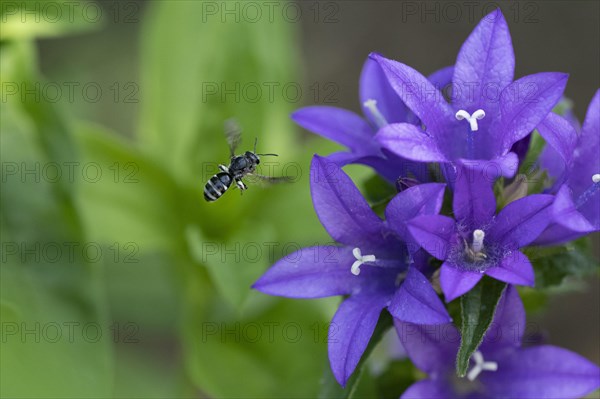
x=51 y=296
x=190 y=61
x=534 y=300
x=234 y=265
x=30 y=19
x=378 y=192
x=552 y=265
x=398 y=376
x=330 y=387
x=478 y=309
x=377 y=189
x=536 y=145
x=266 y=354
x=125 y=197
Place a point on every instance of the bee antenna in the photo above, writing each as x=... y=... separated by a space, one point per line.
x=270 y=155
x=255 y=142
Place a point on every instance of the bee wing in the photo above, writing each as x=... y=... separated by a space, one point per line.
x=233 y=134
x=267 y=180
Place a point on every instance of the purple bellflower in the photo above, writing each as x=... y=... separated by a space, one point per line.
x=478 y=241
x=369 y=266
x=381 y=105
x=501 y=367
x=487 y=114
x=576 y=210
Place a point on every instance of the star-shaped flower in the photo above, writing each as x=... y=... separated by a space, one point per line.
x=488 y=112
x=369 y=265
x=477 y=241
x=501 y=368
x=381 y=105
x=576 y=210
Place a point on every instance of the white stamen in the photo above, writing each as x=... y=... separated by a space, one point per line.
x=360 y=259
x=480 y=365
x=477 y=115
x=478 y=236
x=372 y=107
x=596 y=178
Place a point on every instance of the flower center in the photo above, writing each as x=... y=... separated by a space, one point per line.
x=591 y=190
x=371 y=105
x=360 y=259
x=475 y=251
x=472 y=118
x=480 y=365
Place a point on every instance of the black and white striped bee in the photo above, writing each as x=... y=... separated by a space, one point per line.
x=239 y=167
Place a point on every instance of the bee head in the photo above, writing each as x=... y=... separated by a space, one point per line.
x=252 y=157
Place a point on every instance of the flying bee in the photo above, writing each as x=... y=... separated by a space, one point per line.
x=239 y=167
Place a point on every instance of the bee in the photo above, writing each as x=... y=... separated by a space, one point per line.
x=239 y=167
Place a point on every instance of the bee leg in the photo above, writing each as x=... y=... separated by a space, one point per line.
x=224 y=168
x=241 y=186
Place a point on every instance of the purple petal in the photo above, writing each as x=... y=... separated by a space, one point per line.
x=342 y=126
x=313 y=272
x=340 y=206
x=429 y=389
x=504 y=165
x=542 y=372
x=442 y=78
x=392 y=167
x=350 y=332
x=509 y=323
x=417 y=302
x=561 y=136
x=566 y=214
x=589 y=145
x=474 y=202
x=556 y=234
x=418 y=93
x=554 y=165
x=431 y=348
x=586 y=162
x=521 y=148
x=567 y=222
x=521 y=221
x=424 y=199
x=524 y=104
x=456 y=282
x=375 y=86
x=552 y=161
x=486 y=60
x=514 y=269
x=434 y=233
x=410 y=142
x=342 y=158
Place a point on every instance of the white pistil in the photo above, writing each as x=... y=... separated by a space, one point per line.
x=478 y=236
x=480 y=365
x=371 y=105
x=360 y=259
x=596 y=178
x=472 y=118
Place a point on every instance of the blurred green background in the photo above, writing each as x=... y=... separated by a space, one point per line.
x=117 y=278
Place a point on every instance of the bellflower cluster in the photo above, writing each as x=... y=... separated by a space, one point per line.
x=575 y=165
x=371 y=265
x=440 y=239
x=381 y=106
x=476 y=241
x=501 y=367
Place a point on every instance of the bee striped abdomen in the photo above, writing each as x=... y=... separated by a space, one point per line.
x=216 y=186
